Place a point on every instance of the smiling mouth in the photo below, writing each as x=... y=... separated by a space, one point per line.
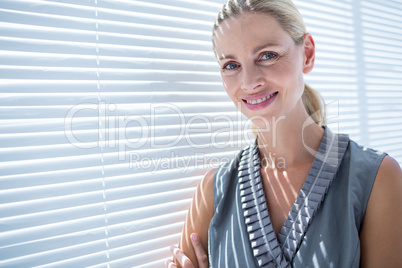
x=260 y=100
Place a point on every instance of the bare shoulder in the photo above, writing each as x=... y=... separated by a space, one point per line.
x=199 y=216
x=381 y=235
x=389 y=170
x=388 y=183
x=387 y=188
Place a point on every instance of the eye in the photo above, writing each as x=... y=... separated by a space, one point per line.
x=268 y=56
x=230 y=66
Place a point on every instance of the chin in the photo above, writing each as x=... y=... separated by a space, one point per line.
x=265 y=120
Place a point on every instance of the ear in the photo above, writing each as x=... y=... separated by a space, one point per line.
x=309 y=53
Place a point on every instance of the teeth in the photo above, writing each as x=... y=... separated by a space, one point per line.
x=260 y=100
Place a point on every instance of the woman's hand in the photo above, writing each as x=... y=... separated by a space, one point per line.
x=183 y=260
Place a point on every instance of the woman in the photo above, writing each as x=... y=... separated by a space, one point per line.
x=328 y=202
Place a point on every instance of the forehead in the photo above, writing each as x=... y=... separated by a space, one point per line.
x=248 y=31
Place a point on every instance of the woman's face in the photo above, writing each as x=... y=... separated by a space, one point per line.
x=261 y=66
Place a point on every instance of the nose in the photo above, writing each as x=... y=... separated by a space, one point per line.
x=253 y=77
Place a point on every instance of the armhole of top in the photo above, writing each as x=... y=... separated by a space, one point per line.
x=373 y=175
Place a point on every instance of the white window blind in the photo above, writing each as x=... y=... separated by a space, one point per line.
x=95 y=97
x=358 y=68
x=107 y=109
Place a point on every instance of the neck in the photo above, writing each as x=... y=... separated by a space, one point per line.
x=285 y=144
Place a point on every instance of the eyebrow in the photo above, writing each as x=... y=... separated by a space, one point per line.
x=265 y=46
x=223 y=57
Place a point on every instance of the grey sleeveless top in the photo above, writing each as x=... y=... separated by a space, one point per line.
x=323 y=226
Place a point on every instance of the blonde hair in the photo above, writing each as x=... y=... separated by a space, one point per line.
x=288 y=16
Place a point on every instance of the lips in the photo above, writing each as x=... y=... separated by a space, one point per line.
x=259 y=101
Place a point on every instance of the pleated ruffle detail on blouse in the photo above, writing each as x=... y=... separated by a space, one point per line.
x=269 y=250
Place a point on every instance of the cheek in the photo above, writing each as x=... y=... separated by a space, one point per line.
x=290 y=74
x=229 y=85
x=232 y=87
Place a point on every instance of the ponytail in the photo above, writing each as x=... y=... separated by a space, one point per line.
x=313 y=102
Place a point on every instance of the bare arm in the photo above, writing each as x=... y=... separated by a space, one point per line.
x=381 y=235
x=198 y=218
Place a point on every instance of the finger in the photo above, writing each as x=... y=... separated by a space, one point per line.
x=169 y=263
x=202 y=256
x=181 y=258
